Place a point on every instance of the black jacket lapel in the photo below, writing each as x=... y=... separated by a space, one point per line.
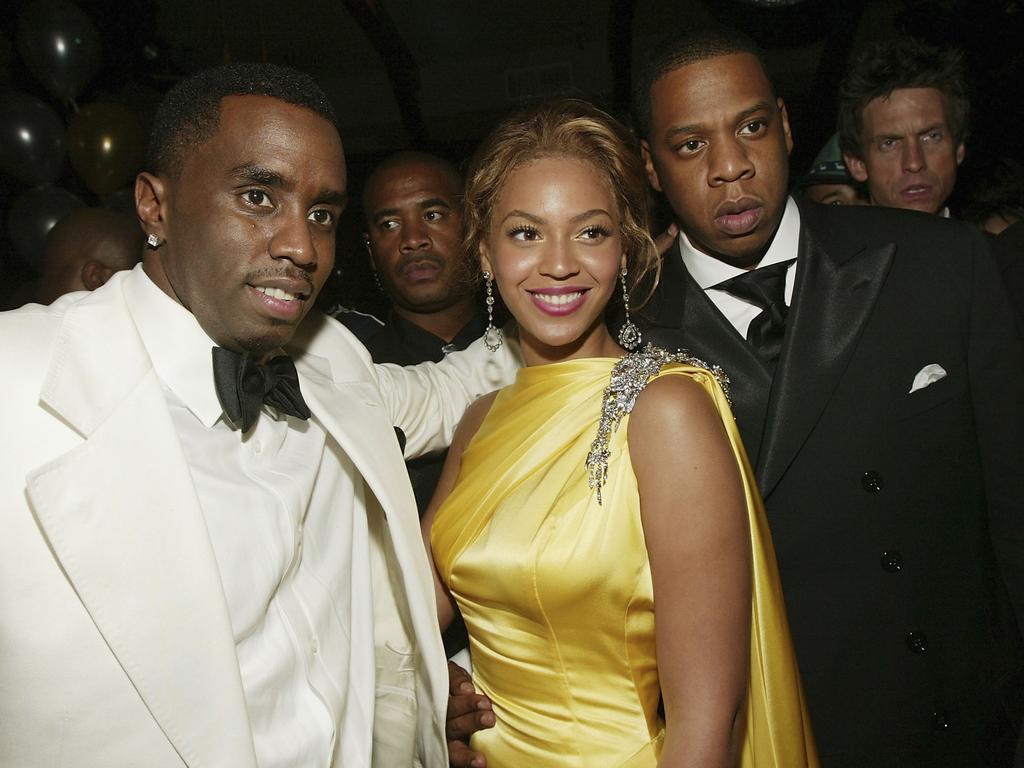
x=680 y=316
x=833 y=297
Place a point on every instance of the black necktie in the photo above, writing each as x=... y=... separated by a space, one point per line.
x=765 y=287
x=244 y=385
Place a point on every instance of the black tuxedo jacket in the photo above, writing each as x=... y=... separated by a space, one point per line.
x=884 y=504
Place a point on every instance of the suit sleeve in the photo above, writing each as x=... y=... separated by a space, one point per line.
x=996 y=371
x=426 y=401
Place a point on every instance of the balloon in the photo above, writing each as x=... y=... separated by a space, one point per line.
x=31 y=139
x=60 y=46
x=121 y=201
x=106 y=146
x=33 y=214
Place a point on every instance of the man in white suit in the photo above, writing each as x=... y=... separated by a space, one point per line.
x=221 y=569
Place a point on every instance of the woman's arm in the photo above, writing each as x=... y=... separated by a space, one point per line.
x=693 y=508
x=468 y=427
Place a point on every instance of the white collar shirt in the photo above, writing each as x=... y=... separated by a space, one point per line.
x=288 y=547
x=707 y=271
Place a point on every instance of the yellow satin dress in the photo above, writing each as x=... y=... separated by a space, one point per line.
x=556 y=590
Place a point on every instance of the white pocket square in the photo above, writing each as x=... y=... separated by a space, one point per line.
x=927 y=376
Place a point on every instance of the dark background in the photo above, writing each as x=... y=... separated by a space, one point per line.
x=437 y=75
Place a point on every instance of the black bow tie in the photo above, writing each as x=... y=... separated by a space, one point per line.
x=244 y=385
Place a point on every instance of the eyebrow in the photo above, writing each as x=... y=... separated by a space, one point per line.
x=522 y=214
x=430 y=202
x=434 y=202
x=332 y=197
x=258 y=174
x=538 y=220
x=696 y=127
x=261 y=175
x=921 y=132
x=588 y=214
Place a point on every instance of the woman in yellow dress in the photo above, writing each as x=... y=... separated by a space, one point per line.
x=597 y=523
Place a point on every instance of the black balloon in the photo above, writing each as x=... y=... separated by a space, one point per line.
x=106 y=146
x=60 y=46
x=121 y=200
x=31 y=139
x=32 y=216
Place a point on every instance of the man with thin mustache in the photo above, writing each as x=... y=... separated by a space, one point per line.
x=210 y=552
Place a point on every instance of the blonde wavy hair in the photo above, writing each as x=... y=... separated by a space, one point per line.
x=568 y=128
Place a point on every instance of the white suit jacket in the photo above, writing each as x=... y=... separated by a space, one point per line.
x=115 y=643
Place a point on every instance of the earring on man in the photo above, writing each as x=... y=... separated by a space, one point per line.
x=629 y=334
x=154 y=240
x=492 y=334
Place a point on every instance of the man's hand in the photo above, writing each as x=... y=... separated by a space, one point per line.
x=664 y=241
x=468 y=712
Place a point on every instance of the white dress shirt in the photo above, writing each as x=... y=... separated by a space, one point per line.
x=708 y=271
x=287 y=551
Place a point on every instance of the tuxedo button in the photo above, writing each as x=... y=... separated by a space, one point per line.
x=940 y=720
x=917 y=642
x=871 y=481
x=892 y=562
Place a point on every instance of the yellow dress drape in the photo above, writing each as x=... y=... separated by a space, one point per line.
x=556 y=591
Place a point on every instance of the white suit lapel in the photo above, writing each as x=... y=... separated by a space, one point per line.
x=355 y=416
x=121 y=516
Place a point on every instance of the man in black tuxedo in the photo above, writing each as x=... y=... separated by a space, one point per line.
x=880 y=394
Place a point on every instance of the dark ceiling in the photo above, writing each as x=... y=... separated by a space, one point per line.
x=438 y=74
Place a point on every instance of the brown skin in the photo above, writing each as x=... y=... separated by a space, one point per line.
x=718 y=149
x=255 y=206
x=554 y=228
x=85 y=249
x=413 y=223
x=910 y=157
x=833 y=194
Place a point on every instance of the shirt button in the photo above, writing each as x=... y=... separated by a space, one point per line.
x=871 y=481
x=917 y=642
x=315 y=647
x=892 y=562
x=257 y=446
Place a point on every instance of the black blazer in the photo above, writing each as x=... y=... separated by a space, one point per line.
x=884 y=504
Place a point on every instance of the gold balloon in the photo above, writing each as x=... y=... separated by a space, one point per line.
x=106 y=146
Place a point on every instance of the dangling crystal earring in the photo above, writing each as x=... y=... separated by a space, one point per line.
x=492 y=335
x=629 y=334
x=154 y=240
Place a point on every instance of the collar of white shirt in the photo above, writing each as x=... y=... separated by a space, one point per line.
x=708 y=271
x=177 y=345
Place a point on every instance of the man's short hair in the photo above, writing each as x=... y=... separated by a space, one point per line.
x=681 y=49
x=882 y=67
x=189 y=114
x=406 y=157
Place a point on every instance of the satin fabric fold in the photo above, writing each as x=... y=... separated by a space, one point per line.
x=556 y=589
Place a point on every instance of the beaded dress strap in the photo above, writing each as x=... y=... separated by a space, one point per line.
x=629 y=378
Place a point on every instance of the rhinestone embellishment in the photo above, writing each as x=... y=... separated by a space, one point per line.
x=629 y=378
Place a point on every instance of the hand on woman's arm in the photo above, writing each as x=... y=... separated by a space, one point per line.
x=468 y=427
x=694 y=516
x=468 y=711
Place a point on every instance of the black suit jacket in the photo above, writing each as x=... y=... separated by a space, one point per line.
x=884 y=504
